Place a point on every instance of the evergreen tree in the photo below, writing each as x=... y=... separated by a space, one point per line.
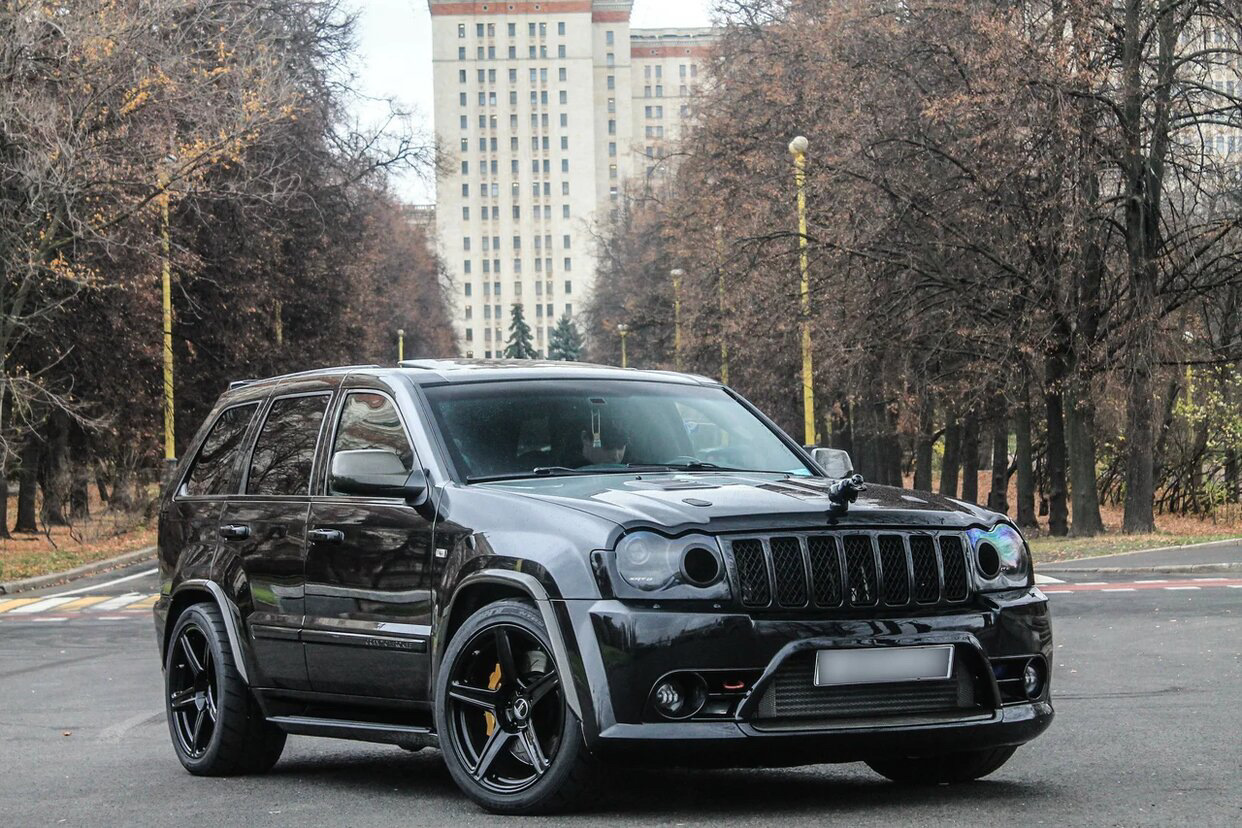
x=565 y=342
x=519 y=345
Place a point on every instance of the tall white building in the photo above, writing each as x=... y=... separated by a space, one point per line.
x=544 y=108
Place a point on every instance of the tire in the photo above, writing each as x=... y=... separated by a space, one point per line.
x=216 y=726
x=506 y=756
x=941 y=770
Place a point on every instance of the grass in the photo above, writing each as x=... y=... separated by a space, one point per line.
x=107 y=534
x=1053 y=550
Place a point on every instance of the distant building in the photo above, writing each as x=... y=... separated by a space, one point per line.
x=421 y=215
x=547 y=108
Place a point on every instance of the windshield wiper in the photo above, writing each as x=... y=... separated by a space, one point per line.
x=547 y=471
x=698 y=465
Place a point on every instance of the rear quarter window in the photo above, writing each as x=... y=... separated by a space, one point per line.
x=213 y=471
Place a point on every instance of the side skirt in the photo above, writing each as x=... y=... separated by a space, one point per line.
x=407 y=736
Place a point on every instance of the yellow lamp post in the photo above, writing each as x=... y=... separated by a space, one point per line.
x=720 y=289
x=170 y=443
x=623 y=330
x=400 y=344
x=677 y=273
x=798 y=147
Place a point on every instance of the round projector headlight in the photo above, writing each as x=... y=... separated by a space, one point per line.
x=1001 y=556
x=689 y=566
x=645 y=561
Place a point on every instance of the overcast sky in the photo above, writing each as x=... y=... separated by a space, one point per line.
x=394 y=58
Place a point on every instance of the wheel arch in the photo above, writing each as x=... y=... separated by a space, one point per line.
x=197 y=591
x=484 y=587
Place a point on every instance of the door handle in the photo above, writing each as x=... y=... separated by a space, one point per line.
x=235 y=531
x=326 y=535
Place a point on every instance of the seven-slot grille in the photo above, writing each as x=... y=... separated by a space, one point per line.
x=798 y=570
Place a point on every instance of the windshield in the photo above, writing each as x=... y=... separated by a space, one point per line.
x=509 y=429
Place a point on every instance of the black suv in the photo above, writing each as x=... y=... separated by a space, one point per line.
x=541 y=568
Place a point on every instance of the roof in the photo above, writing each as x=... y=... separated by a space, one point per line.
x=481 y=370
x=441 y=371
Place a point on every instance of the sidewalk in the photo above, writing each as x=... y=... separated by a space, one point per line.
x=1218 y=556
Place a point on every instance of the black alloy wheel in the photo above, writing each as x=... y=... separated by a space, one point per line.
x=509 y=737
x=192 y=691
x=216 y=725
x=506 y=708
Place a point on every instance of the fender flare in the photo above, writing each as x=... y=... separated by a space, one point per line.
x=528 y=584
x=232 y=618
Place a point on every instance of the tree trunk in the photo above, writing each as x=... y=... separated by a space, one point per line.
x=923 y=445
x=1139 y=516
x=998 y=496
x=970 y=457
x=4 y=495
x=1054 y=373
x=53 y=471
x=27 y=487
x=952 y=454
x=1080 y=416
x=842 y=432
x=1025 y=462
x=80 y=470
x=891 y=446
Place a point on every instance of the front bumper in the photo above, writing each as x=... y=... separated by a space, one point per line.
x=624 y=650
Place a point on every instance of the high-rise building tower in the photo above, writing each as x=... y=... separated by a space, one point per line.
x=544 y=109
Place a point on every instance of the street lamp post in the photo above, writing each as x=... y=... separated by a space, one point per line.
x=798 y=147
x=677 y=273
x=170 y=443
x=720 y=289
x=623 y=330
x=400 y=344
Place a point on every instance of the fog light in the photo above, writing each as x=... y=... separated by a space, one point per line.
x=1033 y=679
x=679 y=696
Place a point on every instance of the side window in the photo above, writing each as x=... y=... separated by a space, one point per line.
x=370 y=421
x=285 y=450
x=212 y=472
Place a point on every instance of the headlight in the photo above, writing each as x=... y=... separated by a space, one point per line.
x=1002 y=560
x=685 y=567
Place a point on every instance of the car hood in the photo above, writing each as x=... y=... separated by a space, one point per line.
x=729 y=501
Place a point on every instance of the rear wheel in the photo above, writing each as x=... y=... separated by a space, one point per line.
x=946 y=769
x=509 y=737
x=216 y=726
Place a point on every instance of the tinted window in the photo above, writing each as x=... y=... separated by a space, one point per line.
x=285 y=450
x=213 y=469
x=370 y=421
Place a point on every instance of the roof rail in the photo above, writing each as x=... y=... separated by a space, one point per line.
x=334 y=369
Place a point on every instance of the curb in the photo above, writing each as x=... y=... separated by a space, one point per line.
x=1172 y=569
x=39 y=581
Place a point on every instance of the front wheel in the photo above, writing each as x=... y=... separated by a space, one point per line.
x=939 y=770
x=509 y=737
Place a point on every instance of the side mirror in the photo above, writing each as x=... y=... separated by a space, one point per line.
x=377 y=473
x=835 y=462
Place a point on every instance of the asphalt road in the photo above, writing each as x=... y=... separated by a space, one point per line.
x=1147 y=686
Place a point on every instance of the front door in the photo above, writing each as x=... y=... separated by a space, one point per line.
x=263 y=532
x=368 y=590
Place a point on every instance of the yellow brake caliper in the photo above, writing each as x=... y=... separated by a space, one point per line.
x=493 y=681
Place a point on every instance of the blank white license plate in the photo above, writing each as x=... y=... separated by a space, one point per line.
x=881 y=665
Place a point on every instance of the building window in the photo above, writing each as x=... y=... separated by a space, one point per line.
x=564 y=96
x=564 y=188
x=469 y=312
x=568 y=264
x=564 y=142
x=465 y=213
x=609 y=38
x=478 y=29
x=562 y=74
x=569 y=287
x=612 y=104
x=564 y=119
x=461 y=53
x=612 y=82
x=465 y=242
x=512 y=30
x=611 y=59
x=461 y=75
x=465 y=266
x=612 y=149
x=646 y=91
x=466 y=289
x=659 y=91
x=564 y=165
x=470 y=334
x=465 y=167
x=512 y=76
x=612 y=127
x=560 y=51
x=612 y=170
x=461 y=29
x=560 y=27
x=564 y=211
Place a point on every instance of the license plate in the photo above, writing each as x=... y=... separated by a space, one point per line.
x=882 y=665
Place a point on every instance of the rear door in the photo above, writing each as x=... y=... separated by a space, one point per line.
x=368 y=583
x=263 y=532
